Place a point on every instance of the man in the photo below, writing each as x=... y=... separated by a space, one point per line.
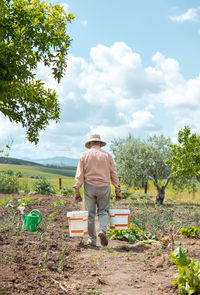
x=95 y=171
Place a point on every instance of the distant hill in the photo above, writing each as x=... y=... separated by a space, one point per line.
x=58 y=161
x=14 y=161
x=33 y=169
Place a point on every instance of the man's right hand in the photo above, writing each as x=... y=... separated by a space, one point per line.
x=77 y=196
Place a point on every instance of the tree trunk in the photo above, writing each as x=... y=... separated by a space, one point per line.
x=160 y=190
x=146 y=187
x=160 y=195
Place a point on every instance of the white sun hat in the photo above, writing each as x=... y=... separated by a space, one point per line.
x=95 y=137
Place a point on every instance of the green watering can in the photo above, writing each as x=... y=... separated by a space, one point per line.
x=31 y=220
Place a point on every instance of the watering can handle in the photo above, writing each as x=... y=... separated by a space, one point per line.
x=35 y=210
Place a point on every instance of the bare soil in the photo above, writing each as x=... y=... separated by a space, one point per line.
x=31 y=263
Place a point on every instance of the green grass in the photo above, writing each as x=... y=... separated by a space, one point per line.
x=39 y=171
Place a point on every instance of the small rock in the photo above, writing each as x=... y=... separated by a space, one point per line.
x=102 y=281
x=94 y=274
x=160 y=262
x=51 y=265
x=20 y=242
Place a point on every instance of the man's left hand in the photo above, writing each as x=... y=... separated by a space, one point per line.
x=118 y=195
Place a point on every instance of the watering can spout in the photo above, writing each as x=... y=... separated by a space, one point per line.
x=21 y=209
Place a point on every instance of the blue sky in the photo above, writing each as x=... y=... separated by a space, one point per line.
x=133 y=67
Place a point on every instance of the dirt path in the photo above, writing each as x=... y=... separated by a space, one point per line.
x=124 y=269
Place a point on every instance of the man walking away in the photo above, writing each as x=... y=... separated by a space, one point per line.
x=95 y=171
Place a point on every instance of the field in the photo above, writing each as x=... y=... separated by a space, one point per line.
x=50 y=262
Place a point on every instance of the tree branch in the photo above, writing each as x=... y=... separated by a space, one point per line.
x=167 y=181
x=155 y=182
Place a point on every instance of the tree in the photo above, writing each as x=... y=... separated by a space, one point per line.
x=185 y=160
x=31 y=32
x=138 y=160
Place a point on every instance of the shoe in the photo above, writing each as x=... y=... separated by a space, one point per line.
x=103 y=238
x=90 y=243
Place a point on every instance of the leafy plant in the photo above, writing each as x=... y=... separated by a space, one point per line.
x=59 y=203
x=189 y=232
x=67 y=191
x=132 y=234
x=188 y=278
x=43 y=187
x=6 y=202
x=26 y=201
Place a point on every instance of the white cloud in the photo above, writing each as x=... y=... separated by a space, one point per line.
x=190 y=15
x=142 y=119
x=113 y=94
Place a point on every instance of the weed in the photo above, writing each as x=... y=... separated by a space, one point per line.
x=52 y=216
x=59 y=203
x=63 y=258
x=92 y=292
x=43 y=258
x=158 y=252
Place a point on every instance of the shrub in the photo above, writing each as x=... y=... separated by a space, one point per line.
x=9 y=172
x=43 y=187
x=125 y=193
x=67 y=191
x=19 y=174
x=8 y=184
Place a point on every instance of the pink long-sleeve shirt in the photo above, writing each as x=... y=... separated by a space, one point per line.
x=96 y=167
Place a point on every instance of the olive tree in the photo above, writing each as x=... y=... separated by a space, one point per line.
x=31 y=31
x=139 y=160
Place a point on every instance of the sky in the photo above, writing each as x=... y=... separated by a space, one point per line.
x=133 y=68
